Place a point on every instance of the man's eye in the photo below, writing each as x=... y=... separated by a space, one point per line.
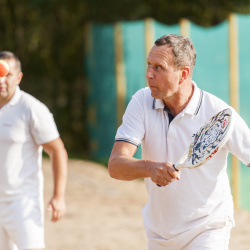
x=158 y=67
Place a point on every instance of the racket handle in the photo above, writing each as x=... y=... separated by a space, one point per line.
x=175 y=168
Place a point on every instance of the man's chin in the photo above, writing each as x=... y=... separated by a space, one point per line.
x=155 y=96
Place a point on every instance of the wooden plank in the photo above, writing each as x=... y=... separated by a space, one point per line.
x=185 y=27
x=149 y=39
x=234 y=97
x=149 y=34
x=120 y=73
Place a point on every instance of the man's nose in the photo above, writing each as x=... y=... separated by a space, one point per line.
x=149 y=73
x=2 y=79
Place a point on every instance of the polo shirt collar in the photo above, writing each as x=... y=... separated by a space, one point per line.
x=13 y=101
x=193 y=106
x=158 y=104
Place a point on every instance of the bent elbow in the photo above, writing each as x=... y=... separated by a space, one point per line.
x=111 y=169
x=114 y=169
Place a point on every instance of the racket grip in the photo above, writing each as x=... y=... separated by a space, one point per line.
x=175 y=168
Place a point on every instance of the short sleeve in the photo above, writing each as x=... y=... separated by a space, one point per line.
x=132 y=129
x=239 y=142
x=42 y=124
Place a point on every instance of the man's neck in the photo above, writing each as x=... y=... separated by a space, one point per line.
x=176 y=104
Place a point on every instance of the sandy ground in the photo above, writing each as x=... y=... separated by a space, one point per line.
x=105 y=214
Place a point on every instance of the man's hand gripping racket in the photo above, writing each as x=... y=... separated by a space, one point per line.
x=207 y=141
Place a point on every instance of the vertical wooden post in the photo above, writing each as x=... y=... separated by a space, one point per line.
x=234 y=96
x=185 y=27
x=149 y=34
x=92 y=107
x=149 y=37
x=120 y=73
x=87 y=37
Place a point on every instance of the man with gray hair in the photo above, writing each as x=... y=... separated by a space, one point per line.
x=193 y=209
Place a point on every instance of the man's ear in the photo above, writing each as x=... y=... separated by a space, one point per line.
x=19 y=77
x=184 y=74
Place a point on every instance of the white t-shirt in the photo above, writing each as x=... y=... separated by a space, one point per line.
x=25 y=124
x=202 y=194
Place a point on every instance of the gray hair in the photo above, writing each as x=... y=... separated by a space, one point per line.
x=183 y=50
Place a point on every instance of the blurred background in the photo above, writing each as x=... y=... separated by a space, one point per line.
x=85 y=58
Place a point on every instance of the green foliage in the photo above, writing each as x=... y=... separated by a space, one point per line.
x=202 y=12
x=48 y=38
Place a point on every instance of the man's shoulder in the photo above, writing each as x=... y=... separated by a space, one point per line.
x=28 y=100
x=143 y=93
x=213 y=99
x=212 y=104
x=143 y=97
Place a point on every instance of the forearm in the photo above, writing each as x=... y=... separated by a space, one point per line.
x=123 y=166
x=59 y=158
x=60 y=168
x=128 y=168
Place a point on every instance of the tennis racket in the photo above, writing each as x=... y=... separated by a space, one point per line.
x=208 y=141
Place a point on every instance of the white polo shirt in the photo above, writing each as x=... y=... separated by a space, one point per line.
x=202 y=194
x=25 y=124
